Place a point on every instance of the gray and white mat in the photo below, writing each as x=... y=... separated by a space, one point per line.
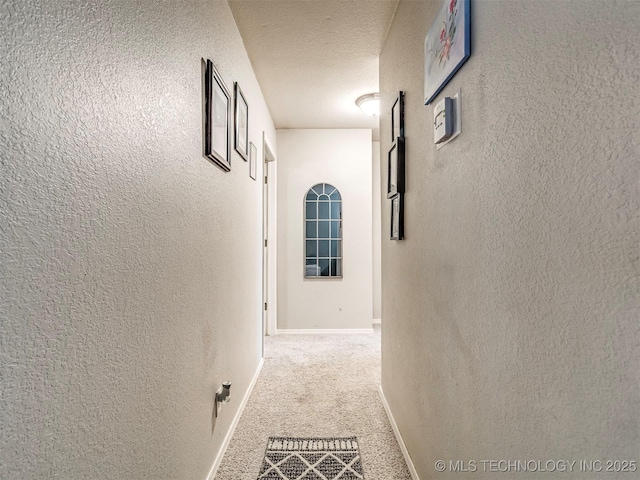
x=304 y=458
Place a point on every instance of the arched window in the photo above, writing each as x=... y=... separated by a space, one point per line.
x=323 y=232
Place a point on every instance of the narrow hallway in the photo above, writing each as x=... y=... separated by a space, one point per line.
x=317 y=386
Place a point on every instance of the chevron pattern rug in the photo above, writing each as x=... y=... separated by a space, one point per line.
x=292 y=458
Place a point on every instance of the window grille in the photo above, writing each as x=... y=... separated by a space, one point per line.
x=323 y=232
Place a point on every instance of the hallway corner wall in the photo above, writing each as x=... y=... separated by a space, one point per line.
x=342 y=158
x=511 y=308
x=378 y=228
x=131 y=279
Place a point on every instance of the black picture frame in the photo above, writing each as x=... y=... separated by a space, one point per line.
x=217 y=113
x=241 y=131
x=395 y=168
x=397 y=117
x=253 y=159
x=397 y=218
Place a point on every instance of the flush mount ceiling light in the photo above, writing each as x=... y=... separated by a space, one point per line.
x=370 y=104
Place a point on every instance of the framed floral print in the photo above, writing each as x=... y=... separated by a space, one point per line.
x=446 y=46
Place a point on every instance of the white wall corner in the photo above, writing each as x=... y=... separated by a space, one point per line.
x=394 y=426
x=234 y=424
x=377 y=321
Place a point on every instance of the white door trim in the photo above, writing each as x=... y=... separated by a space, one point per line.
x=270 y=317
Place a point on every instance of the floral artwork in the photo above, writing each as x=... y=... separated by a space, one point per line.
x=447 y=34
x=446 y=46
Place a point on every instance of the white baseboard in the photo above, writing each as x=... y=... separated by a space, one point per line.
x=298 y=331
x=234 y=423
x=377 y=321
x=394 y=426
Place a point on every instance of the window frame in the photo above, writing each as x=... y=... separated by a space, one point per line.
x=339 y=257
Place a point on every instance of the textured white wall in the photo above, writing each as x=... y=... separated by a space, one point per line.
x=377 y=233
x=130 y=281
x=343 y=159
x=511 y=309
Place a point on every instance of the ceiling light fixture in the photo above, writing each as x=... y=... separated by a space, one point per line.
x=370 y=104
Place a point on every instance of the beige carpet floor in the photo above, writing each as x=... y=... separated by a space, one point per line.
x=322 y=385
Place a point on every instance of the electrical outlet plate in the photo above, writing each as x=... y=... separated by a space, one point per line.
x=457 y=120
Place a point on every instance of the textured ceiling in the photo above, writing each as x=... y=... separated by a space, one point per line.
x=313 y=58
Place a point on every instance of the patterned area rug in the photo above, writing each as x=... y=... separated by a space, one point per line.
x=291 y=458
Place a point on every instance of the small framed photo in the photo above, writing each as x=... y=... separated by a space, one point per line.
x=397 y=117
x=395 y=168
x=217 y=112
x=253 y=158
x=242 y=124
x=397 y=217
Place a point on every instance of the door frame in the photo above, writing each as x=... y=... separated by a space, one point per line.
x=269 y=231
